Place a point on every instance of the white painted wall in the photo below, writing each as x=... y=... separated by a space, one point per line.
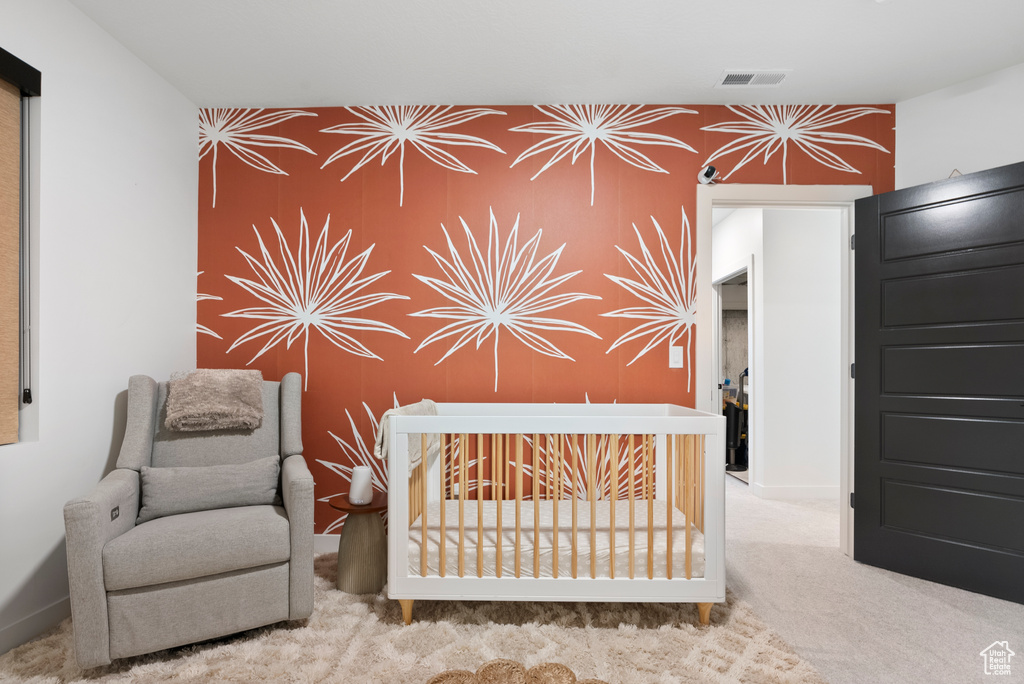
x=802 y=325
x=116 y=222
x=972 y=126
x=796 y=336
x=734 y=239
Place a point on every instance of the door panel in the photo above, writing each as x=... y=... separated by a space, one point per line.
x=954 y=515
x=939 y=396
x=984 y=370
x=952 y=225
x=954 y=298
x=954 y=442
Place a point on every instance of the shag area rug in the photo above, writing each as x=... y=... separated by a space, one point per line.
x=362 y=639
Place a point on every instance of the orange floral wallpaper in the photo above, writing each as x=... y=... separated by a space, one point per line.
x=478 y=254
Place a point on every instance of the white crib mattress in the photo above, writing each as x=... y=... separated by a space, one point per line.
x=602 y=552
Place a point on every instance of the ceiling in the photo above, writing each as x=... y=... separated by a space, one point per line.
x=255 y=53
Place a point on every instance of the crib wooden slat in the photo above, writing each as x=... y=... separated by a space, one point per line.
x=519 y=502
x=573 y=444
x=547 y=466
x=677 y=482
x=644 y=455
x=560 y=484
x=649 y=479
x=494 y=466
x=463 y=482
x=632 y=502
x=671 y=446
x=688 y=503
x=557 y=477
x=536 y=505
x=550 y=483
x=444 y=498
x=499 y=467
x=479 y=506
x=423 y=504
x=592 y=486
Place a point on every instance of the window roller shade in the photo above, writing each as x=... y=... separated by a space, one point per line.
x=10 y=196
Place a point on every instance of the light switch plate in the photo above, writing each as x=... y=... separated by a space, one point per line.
x=675 y=357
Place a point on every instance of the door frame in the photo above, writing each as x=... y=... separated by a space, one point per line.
x=840 y=197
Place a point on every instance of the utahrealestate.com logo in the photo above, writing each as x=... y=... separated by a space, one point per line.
x=997 y=658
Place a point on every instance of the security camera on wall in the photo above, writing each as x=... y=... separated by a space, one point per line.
x=708 y=175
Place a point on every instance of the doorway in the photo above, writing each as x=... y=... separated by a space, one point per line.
x=839 y=199
x=734 y=350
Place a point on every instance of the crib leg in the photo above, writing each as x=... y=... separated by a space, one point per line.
x=407 y=610
x=704 y=610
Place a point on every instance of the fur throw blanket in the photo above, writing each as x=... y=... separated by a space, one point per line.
x=215 y=399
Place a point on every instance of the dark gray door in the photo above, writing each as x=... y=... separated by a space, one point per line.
x=939 y=428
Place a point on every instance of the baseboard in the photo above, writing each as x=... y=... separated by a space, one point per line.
x=325 y=543
x=782 y=493
x=33 y=625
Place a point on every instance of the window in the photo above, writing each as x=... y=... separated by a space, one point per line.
x=18 y=81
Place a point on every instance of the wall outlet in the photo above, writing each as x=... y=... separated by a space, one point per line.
x=114 y=513
x=675 y=357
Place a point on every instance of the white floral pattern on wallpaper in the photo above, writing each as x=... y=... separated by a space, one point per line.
x=506 y=287
x=385 y=130
x=572 y=473
x=763 y=130
x=314 y=287
x=573 y=130
x=201 y=297
x=668 y=289
x=235 y=129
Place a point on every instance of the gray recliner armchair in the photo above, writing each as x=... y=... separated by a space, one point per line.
x=144 y=584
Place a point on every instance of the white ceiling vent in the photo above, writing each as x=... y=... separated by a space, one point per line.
x=751 y=78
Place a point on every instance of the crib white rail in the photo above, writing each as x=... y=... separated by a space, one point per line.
x=573 y=456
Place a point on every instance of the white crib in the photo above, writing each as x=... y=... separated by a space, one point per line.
x=558 y=502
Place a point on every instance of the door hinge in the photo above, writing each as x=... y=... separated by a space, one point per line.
x=851 y=500
x=853 y=241
x=853 y=371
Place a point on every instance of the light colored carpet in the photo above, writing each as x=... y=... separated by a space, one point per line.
x=362 y=638
x=853 y=622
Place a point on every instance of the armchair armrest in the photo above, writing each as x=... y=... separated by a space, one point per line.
x=296 y=485
x=297 y=495
x=108 y=511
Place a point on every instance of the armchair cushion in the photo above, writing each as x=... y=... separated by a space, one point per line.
x=191 y=545
x=171 y=491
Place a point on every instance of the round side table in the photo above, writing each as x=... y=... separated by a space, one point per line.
x=362 y=546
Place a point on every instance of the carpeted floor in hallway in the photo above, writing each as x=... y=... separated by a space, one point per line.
x=856 y=623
